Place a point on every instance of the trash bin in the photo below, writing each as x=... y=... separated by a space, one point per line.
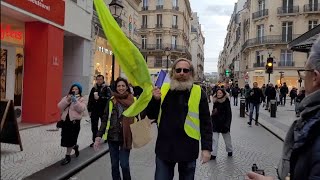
x=242 y=107
x=273 y=108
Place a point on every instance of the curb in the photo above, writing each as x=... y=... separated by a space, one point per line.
x=271 y=128
x=58 y=172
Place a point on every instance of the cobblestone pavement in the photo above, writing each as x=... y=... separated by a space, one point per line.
x=251 y=145
x=280 y=125
x=41 y=148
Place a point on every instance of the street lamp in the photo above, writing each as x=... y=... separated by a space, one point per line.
x=281 y=76
x=116 y=9
x=167 y=51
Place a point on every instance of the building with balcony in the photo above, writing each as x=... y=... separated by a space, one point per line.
x=197 y=47
x=103 y=62
x=165 y=25
x=267 y=26
x=230 y=57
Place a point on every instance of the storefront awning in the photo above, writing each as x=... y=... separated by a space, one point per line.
x=304 y=42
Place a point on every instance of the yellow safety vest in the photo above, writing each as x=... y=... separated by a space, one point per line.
x=192 y=122
x=105 y=135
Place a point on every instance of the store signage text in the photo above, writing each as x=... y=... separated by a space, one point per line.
x=105 y=50
x=53 y=10
x=7 y=32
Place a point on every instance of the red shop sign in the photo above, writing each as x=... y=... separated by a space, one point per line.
x=53 y=10
x=8 y=32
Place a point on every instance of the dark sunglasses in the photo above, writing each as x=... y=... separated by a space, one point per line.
x=178 y=70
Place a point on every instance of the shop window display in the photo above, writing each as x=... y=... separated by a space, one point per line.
x=18 y=79
x=3 y=72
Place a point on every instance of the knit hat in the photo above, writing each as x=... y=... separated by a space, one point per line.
x=79 y=87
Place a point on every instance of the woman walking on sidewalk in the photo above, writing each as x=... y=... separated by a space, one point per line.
x=72 y=107
x=221 y=122
x=116 y=128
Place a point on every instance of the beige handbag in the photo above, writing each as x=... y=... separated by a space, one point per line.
x=141 y=133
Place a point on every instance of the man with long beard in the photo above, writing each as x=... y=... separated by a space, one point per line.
x=182 y=108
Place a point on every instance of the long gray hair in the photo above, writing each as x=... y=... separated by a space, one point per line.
x=314 y=58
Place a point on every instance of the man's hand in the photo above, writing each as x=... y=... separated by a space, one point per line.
x=205 y=156
x=255 y=176
x=156 y=93
x=96 y=145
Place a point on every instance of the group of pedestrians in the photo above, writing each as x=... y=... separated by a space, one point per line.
x=184 y=122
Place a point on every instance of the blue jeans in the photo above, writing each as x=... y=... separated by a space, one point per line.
x=118 y=154
x=165 y=170
x=252 y=107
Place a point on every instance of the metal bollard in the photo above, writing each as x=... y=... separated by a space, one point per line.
x=242 y=107
x=273 y=108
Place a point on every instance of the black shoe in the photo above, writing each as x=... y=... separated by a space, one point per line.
x=249 y=123
x=66 y=160
x=257 y=124
x=229 y=154
x=213 y=157
x=76 y=149
x=91 y=145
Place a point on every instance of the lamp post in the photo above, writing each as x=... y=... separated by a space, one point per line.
x=116 y=9
x=281 y=76
x=167 y=51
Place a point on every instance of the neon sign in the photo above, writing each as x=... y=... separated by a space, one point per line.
x=7 y=32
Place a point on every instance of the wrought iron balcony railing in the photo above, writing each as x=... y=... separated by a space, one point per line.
x=311 y=8
x=282 y=63
x=288 y=10
x=273 y=39
x=145 y=8
x=158 y=25
x=260 y=14
x=144 y=26
x=159 y=7
x=259 y=64
x=176 y=8
x=162 y=47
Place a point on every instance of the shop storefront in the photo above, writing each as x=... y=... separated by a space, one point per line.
x=12 y=61
x=31 y=68
x=103 y=61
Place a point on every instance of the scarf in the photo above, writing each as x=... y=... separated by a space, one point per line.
x=308 y=106
x=123 y=102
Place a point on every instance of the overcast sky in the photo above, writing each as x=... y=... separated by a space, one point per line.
x=214 y=16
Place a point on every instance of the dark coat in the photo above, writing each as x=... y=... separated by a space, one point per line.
x=173 y=144
x=305 y=157
x=221 y=118
x=301 y=150
x=98 y=106
x=257 y=96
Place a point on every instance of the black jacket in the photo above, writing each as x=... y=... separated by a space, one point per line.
x=98 y=106
x=300 y=97
x=257 y=96
x=221 y=117
x=235 y=91
x=271 y=93
x=173 y=144
x=284 y=89
x=115 y=132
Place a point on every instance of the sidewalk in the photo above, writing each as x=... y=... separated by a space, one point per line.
x=280 y=125
x=41 y=149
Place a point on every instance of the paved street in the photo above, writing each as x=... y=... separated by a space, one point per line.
x=251 y=145
x=41 y=148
